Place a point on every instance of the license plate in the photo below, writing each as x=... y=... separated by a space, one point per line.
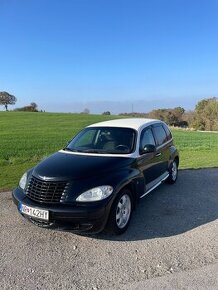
x=34 y=212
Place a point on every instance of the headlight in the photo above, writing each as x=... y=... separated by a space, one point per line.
x=95 y=194
x=23 y=181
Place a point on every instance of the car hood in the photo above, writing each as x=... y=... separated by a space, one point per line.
x=65 y=166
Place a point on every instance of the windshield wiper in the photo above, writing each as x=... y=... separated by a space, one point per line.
x=86 y=150
x=72 y=150
x=94 y=151
x=67 y=149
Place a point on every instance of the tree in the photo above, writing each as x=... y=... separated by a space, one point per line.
x=188 y=117
x=31 y=108
x=34 y=106
x=206 y=115
x=172 y=117
x=7 y=99
x=85 y=111
x=178 y=112
x=158 y=114
x=106 y=113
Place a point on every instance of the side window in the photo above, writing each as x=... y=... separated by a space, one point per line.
x=160 y=135
x=169 y=135
x=147 y=138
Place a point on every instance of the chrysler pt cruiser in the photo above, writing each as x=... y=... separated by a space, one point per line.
x=97 y=180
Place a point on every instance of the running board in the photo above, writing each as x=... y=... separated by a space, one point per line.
x=156 y=185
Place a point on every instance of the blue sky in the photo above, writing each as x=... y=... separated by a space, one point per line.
x=109 y=54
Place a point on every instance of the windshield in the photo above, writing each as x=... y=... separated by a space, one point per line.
x=111 y=140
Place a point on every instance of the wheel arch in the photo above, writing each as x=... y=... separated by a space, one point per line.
x=136 y=187
x=177 y=160
x=174 y=155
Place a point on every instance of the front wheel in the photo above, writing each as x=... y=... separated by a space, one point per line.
x=121 y=212
x=173 y=172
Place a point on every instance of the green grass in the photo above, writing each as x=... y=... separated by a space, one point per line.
x=26 y=138
x=197 y=149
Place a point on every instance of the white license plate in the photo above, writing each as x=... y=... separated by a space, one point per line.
x=34 y=212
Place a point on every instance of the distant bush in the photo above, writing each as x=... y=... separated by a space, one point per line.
x=31 y=108
x=106 y=113
x=85 y=111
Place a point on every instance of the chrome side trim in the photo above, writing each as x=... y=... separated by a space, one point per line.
x=153 y=187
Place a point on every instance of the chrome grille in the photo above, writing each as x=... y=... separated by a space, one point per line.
x=46 y=191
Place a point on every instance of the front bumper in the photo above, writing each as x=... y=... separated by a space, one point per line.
x=80 y=218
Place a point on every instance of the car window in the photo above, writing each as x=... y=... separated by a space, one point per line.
x=160 y=134
x=86 y=138
x=169 y=135
x=147 y=138
x=113 y=140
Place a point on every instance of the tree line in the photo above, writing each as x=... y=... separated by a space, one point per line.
x=204 y=117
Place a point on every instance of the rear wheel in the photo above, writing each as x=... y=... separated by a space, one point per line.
x=173 y=172
x=121 y=212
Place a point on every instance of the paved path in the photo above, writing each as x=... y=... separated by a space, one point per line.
x=172 y=243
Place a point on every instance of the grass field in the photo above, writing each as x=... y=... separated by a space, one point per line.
x=26 y=138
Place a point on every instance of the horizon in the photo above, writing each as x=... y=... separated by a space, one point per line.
x=117 y=56
x=102 y=106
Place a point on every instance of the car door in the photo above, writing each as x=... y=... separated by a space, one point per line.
x=148 y=162
x=162 y=154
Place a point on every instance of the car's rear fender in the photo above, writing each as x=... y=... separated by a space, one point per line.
x=174 y=155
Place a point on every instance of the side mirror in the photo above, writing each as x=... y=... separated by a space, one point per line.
x=149 y=148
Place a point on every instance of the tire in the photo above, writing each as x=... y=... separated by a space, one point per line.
x=120 y=215
x=173 y=172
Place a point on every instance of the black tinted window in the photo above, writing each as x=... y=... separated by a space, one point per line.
x=169 y=135
x=147 y=138
x=160 y=134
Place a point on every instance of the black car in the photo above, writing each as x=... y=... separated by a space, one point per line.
x=99 y=177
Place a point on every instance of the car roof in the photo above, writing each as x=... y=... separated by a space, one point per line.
x=134 y=123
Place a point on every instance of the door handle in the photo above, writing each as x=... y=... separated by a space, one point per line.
x=158 y=154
